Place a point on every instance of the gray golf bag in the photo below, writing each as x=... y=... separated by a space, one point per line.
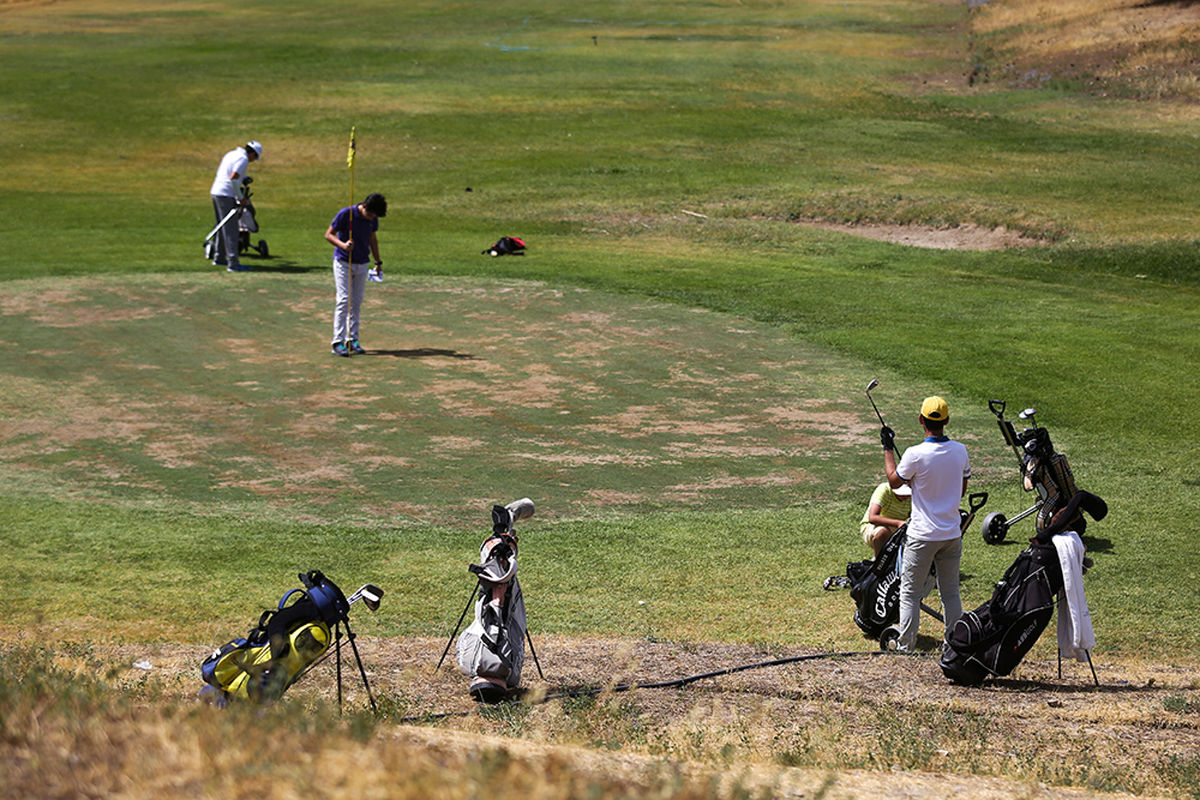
x=491 y=651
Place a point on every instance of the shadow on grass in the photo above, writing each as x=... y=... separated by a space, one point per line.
x=423 y=352
x=276 y=264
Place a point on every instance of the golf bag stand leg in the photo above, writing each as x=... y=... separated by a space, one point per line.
x=458 y=626
x=362 y=672
x=337 y=647
x=533 y=652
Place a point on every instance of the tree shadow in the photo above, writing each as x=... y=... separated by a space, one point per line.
x=423 y=352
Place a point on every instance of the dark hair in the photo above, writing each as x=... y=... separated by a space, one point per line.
x=932 y=425
x=376 y=204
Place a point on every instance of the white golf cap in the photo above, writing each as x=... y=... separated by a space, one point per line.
x=256 y=147
x=903 y=491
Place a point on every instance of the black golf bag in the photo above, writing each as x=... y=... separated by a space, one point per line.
x=992 y=639
x=491 y=651
x=875 y=586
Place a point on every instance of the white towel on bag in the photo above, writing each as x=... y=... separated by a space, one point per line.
x=1075 y=634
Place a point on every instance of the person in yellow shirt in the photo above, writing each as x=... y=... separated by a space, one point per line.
x=888 y=510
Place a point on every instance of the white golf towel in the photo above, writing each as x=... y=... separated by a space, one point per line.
x=1075 y=634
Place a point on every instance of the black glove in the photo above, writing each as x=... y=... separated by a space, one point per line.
x=888 y=437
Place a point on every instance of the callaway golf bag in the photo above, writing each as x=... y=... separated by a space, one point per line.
x=875 y=583
x=491 y=651
x=285 y=642
x=994 y=638
x=875 y=586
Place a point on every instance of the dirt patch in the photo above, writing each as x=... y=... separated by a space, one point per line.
x=961 y=237
x=868 y=722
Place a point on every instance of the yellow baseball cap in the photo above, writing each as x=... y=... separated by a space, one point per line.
x=935 y=409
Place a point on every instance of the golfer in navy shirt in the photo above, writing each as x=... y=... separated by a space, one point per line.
x=352 y=234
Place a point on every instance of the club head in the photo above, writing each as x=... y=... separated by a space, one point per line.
x=874 y=382
x=1029 y=414
x=369 y=593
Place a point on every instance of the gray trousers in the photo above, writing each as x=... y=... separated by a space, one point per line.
x=919 y=556
x=349 y=289
x=226 y=240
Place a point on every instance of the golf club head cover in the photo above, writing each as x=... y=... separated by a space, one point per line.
x=1080 y=501
x=502 y=520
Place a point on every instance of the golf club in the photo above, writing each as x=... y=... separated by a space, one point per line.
x=875 y=382
x=369 y=593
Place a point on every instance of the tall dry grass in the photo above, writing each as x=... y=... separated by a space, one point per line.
x=1134 y=48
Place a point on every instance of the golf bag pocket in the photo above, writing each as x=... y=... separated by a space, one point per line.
x=222 y=668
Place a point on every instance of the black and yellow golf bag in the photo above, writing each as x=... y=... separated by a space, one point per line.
x=286 y=641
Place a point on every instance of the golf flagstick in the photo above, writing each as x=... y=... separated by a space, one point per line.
x=350 y=153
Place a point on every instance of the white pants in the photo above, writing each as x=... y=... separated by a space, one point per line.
x=350 y=283
x=919 y=556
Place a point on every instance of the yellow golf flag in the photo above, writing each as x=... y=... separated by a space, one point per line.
x=350 y=152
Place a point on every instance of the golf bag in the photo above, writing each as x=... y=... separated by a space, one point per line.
x=275 y=653
x=1042 y=469
x=247 y=223
x=875 y=586
x=506 y=246
x=491 y=651
x=992 y=639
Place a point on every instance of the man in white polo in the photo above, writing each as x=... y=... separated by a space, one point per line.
x=937 y=469
x=226 y=197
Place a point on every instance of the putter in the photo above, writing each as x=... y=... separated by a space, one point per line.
x=369 y=593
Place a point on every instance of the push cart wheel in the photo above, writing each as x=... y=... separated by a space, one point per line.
x=889 y=640
x=995 y=527
x=262 y=248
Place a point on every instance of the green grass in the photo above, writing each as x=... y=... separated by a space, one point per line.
x=590 y=149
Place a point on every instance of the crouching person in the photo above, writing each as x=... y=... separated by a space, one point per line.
x=886 y=512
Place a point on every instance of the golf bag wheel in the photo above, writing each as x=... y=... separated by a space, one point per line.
x=261 y=247
x=995 y=527
x=889 y=640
